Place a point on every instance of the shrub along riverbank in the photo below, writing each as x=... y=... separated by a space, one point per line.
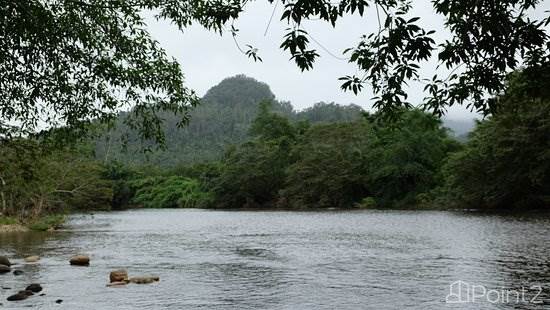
x=287 y=163
x=43 y=222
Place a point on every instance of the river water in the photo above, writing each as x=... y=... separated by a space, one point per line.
x=287 y=260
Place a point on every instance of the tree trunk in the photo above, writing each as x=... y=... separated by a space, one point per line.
x=2 y=197
x=38 y=206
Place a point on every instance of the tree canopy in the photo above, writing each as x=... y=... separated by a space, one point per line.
x=68 y=62
x=506 y=162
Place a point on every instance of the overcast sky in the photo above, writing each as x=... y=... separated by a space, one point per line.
x=207 y=58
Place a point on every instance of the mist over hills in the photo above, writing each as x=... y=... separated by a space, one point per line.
x=222 y=119
x=459 y=127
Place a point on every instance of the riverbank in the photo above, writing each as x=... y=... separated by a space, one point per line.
x=12 y=228
x=45 y=223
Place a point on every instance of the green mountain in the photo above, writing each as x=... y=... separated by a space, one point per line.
x=222 y=119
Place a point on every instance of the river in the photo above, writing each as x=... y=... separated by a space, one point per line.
x=287 y=260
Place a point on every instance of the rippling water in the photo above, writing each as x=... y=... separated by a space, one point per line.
x=284 y=260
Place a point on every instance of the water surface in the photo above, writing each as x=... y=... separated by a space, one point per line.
x=284 y=260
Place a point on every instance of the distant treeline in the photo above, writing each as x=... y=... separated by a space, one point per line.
x=326 y=156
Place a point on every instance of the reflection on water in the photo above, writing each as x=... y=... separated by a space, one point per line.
x=282 y=260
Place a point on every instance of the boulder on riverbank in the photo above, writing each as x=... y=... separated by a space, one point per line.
x=144 y=280
x=80 y=260
x=32 y=259
x=120 y=275
x=5 y=261
x=4 y=269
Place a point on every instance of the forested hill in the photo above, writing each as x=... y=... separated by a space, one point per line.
x=222 y=119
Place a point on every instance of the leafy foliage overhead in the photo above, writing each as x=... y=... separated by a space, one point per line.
x=488 y=40
x=66 y=62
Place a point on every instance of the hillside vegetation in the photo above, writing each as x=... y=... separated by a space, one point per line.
x=222 y=119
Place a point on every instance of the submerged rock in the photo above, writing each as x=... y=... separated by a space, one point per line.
x=120 y=275
x=5 y=261
x=32 y=259
x=118 y=283
x=18 y=272
x=4 y=268
x=34 y=287
x=80 y=260
x=144 y=280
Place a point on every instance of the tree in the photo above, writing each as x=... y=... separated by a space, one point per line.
x=253 y=173
x=389 y=163
x=70 y=61
x=66 y=63
x=329 y=169
x=405 y=158
x=270 y=126
x=322 y=112
x=506 y=162
x=37 y=180
x=169 y=192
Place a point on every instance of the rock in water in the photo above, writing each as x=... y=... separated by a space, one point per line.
x=18 y=272
x=59 y=301
x=80 y=260
x=32 y=259
x=120 y=275
x=144 y=280
x=26 y=292
x=34 y=287
x=5 y=261
x=4 y=268
x=18 y=296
